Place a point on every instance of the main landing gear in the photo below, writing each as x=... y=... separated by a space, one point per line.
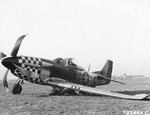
x=17 y=88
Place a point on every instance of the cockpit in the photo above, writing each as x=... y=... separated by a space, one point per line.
x=68 y=62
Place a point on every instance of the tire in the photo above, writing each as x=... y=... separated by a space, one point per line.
x=17 y=89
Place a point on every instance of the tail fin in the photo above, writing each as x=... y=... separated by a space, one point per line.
x=106 y=72
x=107 y=69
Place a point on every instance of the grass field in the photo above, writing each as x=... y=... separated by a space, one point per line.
x=34 y=100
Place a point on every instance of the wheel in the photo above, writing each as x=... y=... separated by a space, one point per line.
x=17 y=89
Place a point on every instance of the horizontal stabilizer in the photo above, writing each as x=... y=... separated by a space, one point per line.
x=100 y=76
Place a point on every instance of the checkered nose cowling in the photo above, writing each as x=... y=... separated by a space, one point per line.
x=31 y=64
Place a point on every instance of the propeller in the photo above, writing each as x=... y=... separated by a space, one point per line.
x=13 y=54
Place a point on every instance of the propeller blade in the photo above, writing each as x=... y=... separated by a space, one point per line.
x=2 y=55
x=17 y=45
x=5 y=80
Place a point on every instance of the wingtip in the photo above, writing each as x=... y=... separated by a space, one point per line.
x=141 y=96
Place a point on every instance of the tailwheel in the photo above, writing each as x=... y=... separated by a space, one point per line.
x=17 y=88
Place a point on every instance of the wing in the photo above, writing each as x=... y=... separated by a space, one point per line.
x=96 y=91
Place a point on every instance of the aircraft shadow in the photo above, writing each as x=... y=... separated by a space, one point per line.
x=135 y=92
x=122 y=92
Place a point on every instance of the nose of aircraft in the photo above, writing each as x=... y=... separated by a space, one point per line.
x=8 y=62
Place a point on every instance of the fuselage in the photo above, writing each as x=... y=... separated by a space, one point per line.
x=43 y=69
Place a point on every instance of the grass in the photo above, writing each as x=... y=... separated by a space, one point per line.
x=34 y=100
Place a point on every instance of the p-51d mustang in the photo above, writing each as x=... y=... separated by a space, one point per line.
x=61 y=74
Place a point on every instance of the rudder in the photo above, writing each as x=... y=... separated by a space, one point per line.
x=107 y=69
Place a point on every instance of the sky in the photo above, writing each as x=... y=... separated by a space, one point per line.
x=91 y=31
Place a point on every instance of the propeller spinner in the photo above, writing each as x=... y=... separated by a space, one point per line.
x=7 y=61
